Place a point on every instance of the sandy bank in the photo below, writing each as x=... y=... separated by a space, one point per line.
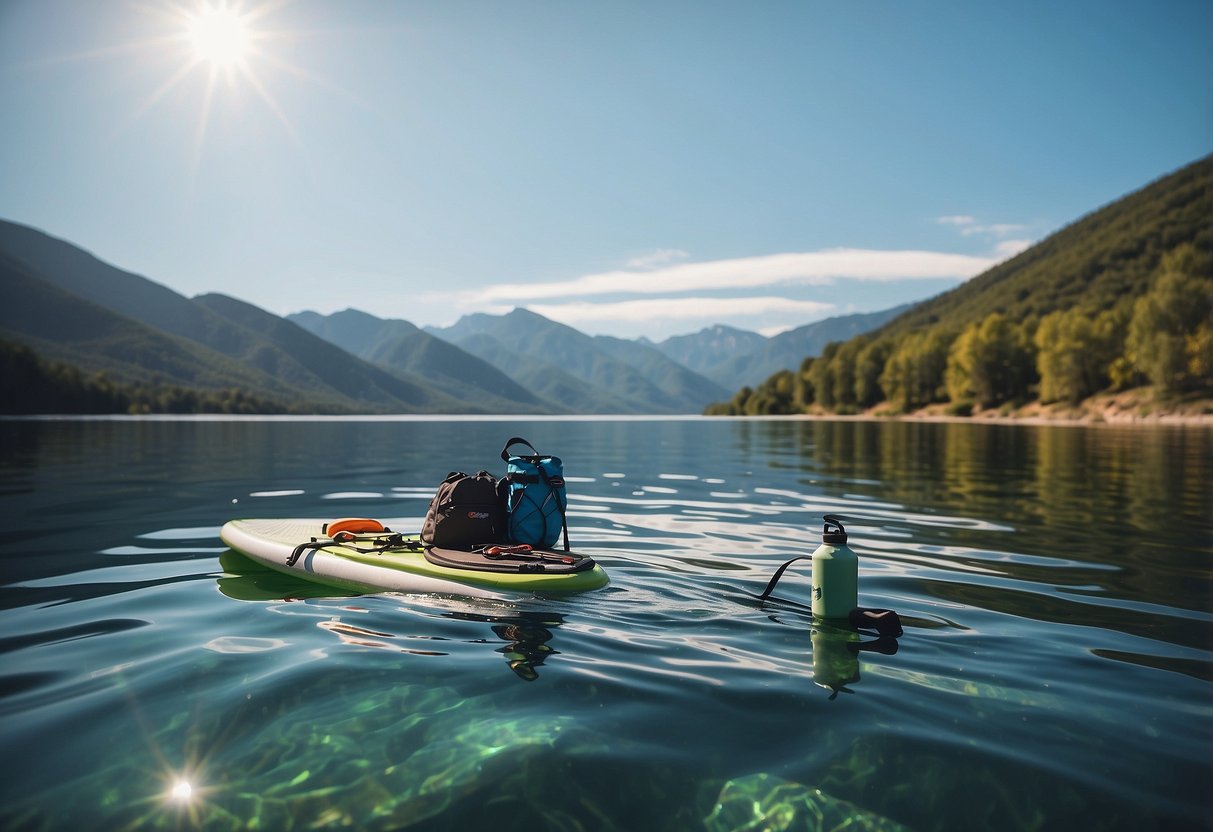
x=1133 y=407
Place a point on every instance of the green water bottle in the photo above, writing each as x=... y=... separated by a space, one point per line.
x=835 y=572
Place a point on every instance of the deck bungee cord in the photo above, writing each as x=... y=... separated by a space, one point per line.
x=346 y=537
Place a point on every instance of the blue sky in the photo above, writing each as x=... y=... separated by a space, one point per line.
x=626 y=168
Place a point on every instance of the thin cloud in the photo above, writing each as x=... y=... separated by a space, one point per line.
x=813 y=268
x=969 y=226
x=996 y=229
x=658 y=258
x=680 y=309
x=1009 y=248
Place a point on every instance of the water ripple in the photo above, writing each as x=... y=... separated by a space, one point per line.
x=1055 y=668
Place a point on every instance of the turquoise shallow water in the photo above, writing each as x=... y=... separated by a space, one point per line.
x=1055 y=585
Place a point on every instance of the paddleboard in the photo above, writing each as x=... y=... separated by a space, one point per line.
x=407 y=567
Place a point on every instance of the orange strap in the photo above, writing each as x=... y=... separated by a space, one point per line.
x=357 y=525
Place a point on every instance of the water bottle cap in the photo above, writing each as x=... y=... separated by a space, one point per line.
x=836 y=536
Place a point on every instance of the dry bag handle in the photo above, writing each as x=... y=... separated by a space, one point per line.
x=517 y=440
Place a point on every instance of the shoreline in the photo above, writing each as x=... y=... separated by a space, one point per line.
x=1170 y=420
x=1128 y=409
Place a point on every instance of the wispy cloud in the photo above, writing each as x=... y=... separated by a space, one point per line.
x=657 y=258
x=969 y=226
x=813 y=268
x=680 y=309
x=1009 y=248
x=1001 y=229
x=957 y=219
x=663 y=293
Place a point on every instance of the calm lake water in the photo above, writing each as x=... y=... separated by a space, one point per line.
x=1055 y=671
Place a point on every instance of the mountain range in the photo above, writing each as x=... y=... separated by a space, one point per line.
x=86 y=334
x=73 y=311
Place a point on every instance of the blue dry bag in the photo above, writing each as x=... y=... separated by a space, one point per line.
x=532 y=493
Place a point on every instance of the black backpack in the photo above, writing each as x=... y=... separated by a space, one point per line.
x=464 y=513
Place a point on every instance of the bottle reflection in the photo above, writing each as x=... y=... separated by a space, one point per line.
x=836 y=650
x=835 y=664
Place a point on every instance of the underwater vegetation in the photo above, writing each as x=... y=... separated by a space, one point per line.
x=765 y=803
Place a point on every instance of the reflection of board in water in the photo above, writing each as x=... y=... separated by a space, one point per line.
x=526 y=638
x=526 y=635
x=244 y=579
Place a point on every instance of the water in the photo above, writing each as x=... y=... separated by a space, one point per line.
x=1054 y=673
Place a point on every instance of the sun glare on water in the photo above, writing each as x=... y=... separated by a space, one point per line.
x=181 y=792
x=184 y=801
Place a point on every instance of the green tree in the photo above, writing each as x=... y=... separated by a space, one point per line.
x=733 y=407
x=1074 y=354
x=802 y=391
x=1172 y=324
x=913 y=374
x=990 y=363
x=845 y=364
x=773 y=397
x=823 y=374
x=1200 y=356
x=869 y=365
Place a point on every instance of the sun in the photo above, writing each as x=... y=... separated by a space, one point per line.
x=219 y=36
x=220 y=57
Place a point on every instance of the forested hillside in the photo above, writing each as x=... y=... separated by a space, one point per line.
x=1122 y=298
x=30 y=385
x=75 y=312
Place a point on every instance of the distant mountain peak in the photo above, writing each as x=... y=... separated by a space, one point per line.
x=708 y=348
x=599 y=374
x=735 y=357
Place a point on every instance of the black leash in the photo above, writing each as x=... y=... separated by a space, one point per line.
x=766 y=593
x=886 y=622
